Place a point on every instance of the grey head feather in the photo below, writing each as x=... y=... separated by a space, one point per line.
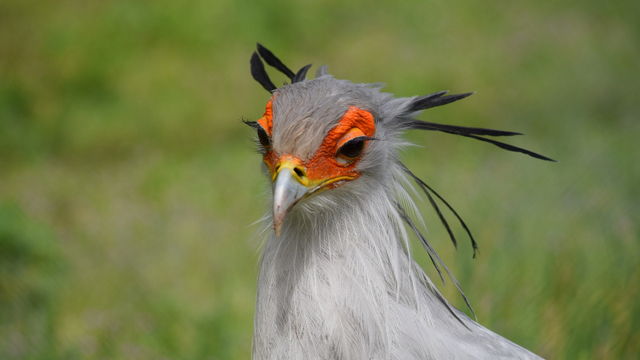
x=304 y=112
x=322 y=71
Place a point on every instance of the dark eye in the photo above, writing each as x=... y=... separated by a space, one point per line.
x=263 y=138
x=352 y=148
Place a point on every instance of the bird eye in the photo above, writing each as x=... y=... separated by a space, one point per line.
x=352 y=148
x=263 y=138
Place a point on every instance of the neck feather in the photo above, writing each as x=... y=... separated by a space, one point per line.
x=340 y=267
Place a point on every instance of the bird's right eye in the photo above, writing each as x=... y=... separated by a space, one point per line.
x=264 y=139
x=352 y=148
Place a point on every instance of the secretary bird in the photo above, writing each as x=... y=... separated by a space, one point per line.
x=337 y=279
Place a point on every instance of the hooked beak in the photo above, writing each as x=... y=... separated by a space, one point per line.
x=287 y=191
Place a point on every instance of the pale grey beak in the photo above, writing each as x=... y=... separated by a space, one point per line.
x=287 y=191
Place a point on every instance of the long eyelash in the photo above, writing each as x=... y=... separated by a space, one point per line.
x=253 y=124
x=257 y=146
x=255 y=142
x=364 y=138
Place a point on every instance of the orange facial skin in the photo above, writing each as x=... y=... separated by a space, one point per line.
x=325 y=169
x=267 y=118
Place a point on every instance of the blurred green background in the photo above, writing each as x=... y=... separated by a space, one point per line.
x=128 y=185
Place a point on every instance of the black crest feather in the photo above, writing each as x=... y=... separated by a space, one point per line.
x=433 y=100
x=435 y=260
x=302 y=73
x=273 y=61
x=427 y=190
x=437 y=99
x=508 y=147
x=260 y=74
x=459 y=130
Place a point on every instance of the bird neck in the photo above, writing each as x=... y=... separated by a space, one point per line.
x=356 y=231
x=340 y=283
x=334 y=274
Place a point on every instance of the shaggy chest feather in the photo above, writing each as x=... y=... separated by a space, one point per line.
x=335 y=287
x=344 y=287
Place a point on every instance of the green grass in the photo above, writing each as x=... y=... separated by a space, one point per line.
x=128 y=184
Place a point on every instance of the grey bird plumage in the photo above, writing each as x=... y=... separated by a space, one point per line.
x=337 y=279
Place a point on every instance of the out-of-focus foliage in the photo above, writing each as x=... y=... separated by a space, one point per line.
x=128 y=184
x=30 y=278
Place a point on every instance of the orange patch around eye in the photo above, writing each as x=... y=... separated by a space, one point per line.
x=353 y=118
x=323 y=165
x=267 y=118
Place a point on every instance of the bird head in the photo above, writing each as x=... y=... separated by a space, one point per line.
x=329 y=137
x=318 y=136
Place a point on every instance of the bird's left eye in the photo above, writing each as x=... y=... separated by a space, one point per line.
x=352 y=148
x=263 y=138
